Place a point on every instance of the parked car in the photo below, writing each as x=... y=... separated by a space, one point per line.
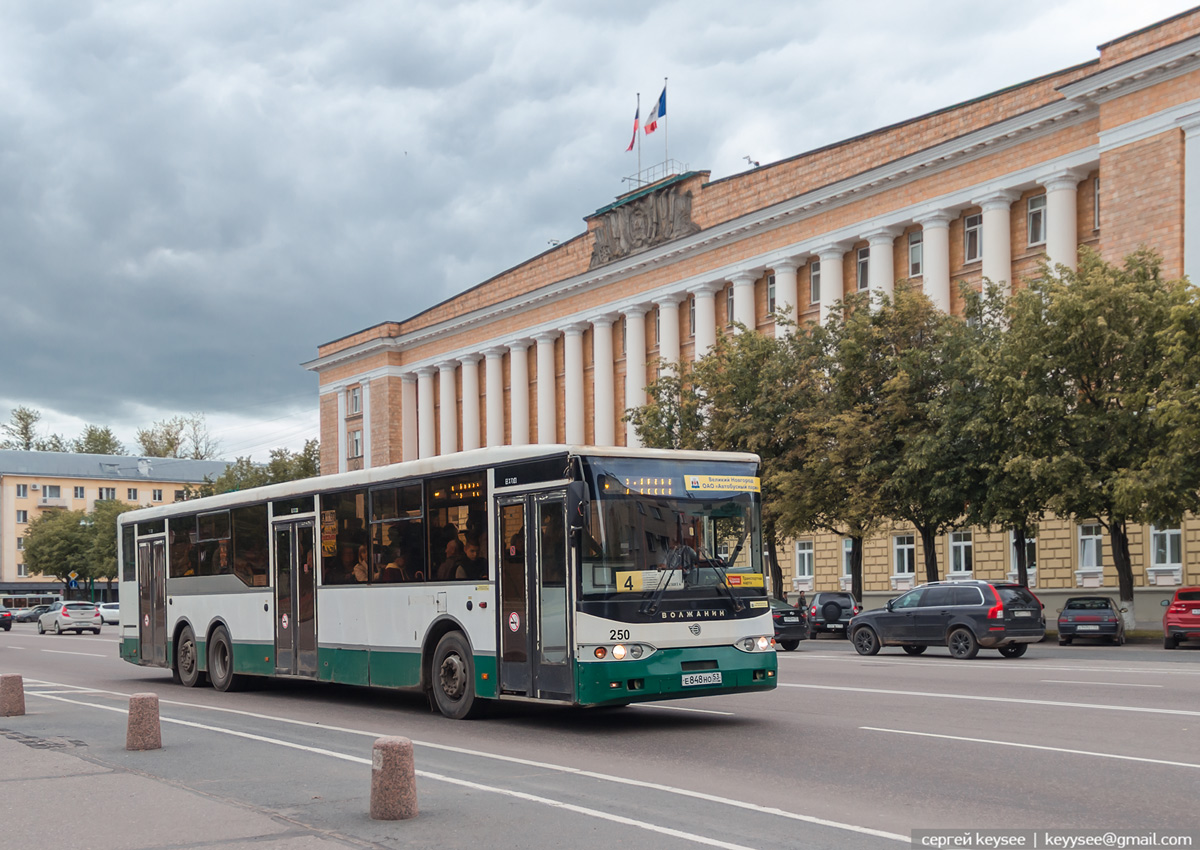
x=1090 y=616
x=6 y=619
x=1181 y=620
x=110 y=613
x=791 y=626
x=831 y=612
x=960 y=615
x=30 y=615
x=70 y=616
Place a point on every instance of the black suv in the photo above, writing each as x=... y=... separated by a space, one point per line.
x=960 y=615
x=831 y=612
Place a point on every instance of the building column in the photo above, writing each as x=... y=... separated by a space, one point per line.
x=494 y=378
x=448 y=443
x=366 y=424
x=574 y=412
x=426 y=433
x=547 y=399
x=706 y=316
x=668 y=323
x=787 y=295
x=635 y=366
x=1191 y=196
x=831 y=256
x=935 y=257
x=343 y=463
x=518 y=391
x=997 y=237
x=603 y=384
x=881 y=269
x=470 y=401
x=408 y=417
x=1062 y=218
x=743 y=298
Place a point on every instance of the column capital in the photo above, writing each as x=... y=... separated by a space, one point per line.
x=709 y=287
x=636 y=311
x=470 y=358
x=519 y=345
x=832 y=250
x=408 y=378
x=883 y=235
x=546 y=337
x=575 y=328
x=1064 y=178
x=1001 y=199
x=447 y=366
x=1189 y=123
x=787 y=264
x=604 y=320
x=495 y=352
x=931 y=219
x=743 y=278
x=671 y=300
x=426 y=371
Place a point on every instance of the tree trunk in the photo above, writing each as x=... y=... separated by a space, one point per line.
x=929 y=545
x=1022 y=566
x=777 y=589
x=1118 y=533
x=856 y=552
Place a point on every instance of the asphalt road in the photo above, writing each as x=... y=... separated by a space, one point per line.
x=849 y=752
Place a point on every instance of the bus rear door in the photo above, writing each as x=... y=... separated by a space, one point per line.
x=152 y=600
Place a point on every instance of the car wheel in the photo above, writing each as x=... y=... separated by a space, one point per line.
x=789 y=645
x=187 y=662
x=95 y=631
x=1014 y=650
x=453 y=678
x=57 y=627
x=962 y=644
x=1169 y=642
x=866 y=642
x=41 y=628
x=1119 y=640
x=220 y=661
x=1062 y=641
x=913 y=649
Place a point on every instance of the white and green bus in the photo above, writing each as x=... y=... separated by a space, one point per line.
x=560 y=574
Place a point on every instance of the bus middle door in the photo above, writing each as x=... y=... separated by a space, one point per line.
x=295 y=599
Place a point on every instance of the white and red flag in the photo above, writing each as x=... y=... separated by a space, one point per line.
x=659 y=111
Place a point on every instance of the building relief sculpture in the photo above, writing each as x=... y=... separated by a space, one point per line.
x=643 y=223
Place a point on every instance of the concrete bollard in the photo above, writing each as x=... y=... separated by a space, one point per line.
x=143 y=732
x=393 y=780
x=12 y=695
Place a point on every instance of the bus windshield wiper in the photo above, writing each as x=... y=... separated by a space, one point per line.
x=680 y=558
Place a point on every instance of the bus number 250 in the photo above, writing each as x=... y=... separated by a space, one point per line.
x=618 y=634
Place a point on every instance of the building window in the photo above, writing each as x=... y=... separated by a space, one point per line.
x=354 y=400
x=804 y=559
x=51 y=491
x=20 y=544
x=22 y=571
x=179 y=495
x=131 y=494
x=1166 y=548
x=962 y=554
x=847 y=553
x=108 y=493
x=972 y=238
x=1036 y=220
x=1030 y=554
x=729 y=304
x=916 y=253
x=156 y=495
x=78 y=492
x=904 y=554
x=22 y=491
x=1090 y=551
x=814 y=282
x=692 y=315
x=22 y=516
x=864 y=267
x=1096 y=204
x=771 y=293
x=356 y=443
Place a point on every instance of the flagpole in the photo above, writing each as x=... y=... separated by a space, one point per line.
x=666 y=131
x=638 y=132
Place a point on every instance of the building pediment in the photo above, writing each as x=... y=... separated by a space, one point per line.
x=642 y=220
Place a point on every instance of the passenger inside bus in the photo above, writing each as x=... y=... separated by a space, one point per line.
x=454 y=559
x=473 y=567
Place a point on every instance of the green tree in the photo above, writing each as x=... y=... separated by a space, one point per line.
x=284 y=465
x=20 y=432
x=180 y=436
x=97 y=441
x=671 y=419
x=102 y=552
x=1094 y=351
x=58 y=543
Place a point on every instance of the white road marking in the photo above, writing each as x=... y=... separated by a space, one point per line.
x=1052 y=703
x=67 y=652
x=620 y=780
x=1033 y=747
x=1106 y=684
x=681 y=708
x=1000 y=663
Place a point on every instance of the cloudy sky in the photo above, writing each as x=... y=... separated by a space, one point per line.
x=195 y=195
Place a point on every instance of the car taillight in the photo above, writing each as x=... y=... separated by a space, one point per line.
x=856 y=609
x=996 y=612
x=814 y=610
x=65 y=612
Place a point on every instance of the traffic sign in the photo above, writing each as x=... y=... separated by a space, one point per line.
x=72 y=575
x=74 y=585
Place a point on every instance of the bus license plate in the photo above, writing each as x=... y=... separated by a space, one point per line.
x=713 y=678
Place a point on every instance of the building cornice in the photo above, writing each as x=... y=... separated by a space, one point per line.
x=1135 y=74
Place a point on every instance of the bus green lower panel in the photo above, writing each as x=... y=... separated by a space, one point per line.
x=660 y=676
x=131 y=650
x=252 y=659
x=340 y=664
x=395 y=669
x=485 y=676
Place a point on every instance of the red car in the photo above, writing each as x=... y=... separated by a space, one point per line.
x=1181 y=620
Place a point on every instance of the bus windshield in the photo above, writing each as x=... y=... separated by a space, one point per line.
x=669 y=528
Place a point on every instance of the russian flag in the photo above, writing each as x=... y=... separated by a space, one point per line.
x=636 y=114
x=659 y=111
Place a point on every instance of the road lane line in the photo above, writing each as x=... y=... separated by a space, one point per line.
x=68 y=652
x=1106 y=684
x=1051 y=703
x=1033 y=747
x=619 y=780
x=681 y=708
x=998 y=663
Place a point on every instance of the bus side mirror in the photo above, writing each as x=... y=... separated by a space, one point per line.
x=579 y=507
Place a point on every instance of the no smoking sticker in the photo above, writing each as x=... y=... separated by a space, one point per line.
x=283 y=621
x=514 y=621
x=146 y=620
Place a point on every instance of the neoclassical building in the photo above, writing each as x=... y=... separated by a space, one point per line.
x=1104 y=154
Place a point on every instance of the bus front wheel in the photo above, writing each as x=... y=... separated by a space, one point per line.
x=220 y=661
x=453 y=677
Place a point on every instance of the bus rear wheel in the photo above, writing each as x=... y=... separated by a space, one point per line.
x=220 y=661
x=187 y=664
x=453 y=677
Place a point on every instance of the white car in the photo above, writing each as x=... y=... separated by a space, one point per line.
x=110 y=613
x=70 y=617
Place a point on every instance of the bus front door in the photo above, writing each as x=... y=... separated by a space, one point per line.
x=295 y=599
x=152 y=600
x=534 y=589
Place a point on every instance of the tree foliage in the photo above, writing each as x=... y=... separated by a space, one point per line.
x=96 y=440
x=21 y=433
x=180 y=436
x=284 y=465
x=59 y=542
